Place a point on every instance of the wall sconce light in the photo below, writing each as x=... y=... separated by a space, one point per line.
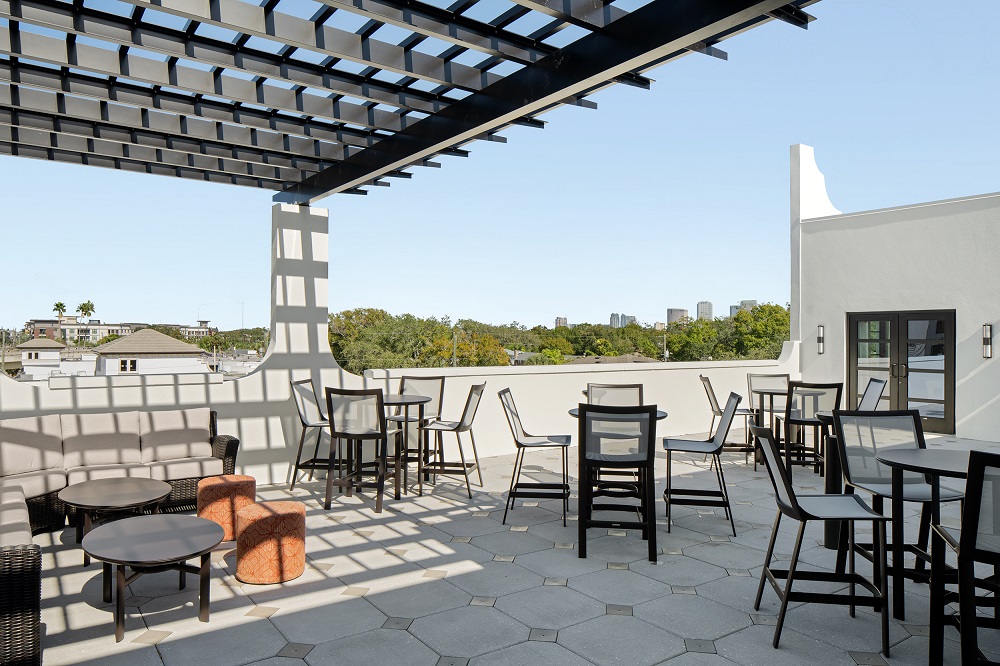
x=987 y=340
x=820 y=340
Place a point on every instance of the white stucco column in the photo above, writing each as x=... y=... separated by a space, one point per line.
x=808 y=199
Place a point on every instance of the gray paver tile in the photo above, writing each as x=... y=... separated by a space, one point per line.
x=496 y=579
x=608 y=639
x=618 y=587
x=550 y=607
x=531 y=653
x=379 y=646
x=318 y=623
x=691 y=616
x=469 y=631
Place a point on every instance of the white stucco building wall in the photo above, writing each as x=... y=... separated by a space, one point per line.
x=941 y=255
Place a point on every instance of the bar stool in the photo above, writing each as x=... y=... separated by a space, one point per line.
x=440 y=465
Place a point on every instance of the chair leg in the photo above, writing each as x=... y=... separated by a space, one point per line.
x=850 y=560
x=883 y=585
x=475 y=456
x=583 y=503
x=767 y=561
x=513 y=482
x=725 y=493
x=967 y=612
x=666 y=492
x=298 y=458
x=316 y=452
x=650 y=516
x=924 y=533
x=565 y=481
x=465 y=470
x=788 y=583
x=381 y=471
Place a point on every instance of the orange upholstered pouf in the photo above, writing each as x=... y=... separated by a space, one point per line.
x=220 y=497
x=270 y=542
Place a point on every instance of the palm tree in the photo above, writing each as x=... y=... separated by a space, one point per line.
x=85 y=309
x=59 y=308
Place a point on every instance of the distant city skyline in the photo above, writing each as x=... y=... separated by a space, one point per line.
x=696 y=210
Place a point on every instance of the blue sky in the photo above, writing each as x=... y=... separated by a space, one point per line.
x=657 y=199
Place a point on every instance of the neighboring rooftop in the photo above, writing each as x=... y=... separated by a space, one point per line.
x=41 y=344
x=148 y=342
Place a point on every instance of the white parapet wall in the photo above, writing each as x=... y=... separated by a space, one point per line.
x=941 y=255
x=259 y=410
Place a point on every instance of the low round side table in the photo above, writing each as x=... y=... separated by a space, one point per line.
x=151 y=544
x=98 y=496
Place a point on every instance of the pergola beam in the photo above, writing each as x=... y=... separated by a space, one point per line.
x=652 y=32
x=81 y=20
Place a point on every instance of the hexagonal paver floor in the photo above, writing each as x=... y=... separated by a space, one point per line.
x=438 y=579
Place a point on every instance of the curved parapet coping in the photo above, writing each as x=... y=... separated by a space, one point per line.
x=808 y=186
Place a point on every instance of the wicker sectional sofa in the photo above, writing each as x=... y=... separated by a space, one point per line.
x=41 y=455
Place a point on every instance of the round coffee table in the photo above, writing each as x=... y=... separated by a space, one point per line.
x=150 y=544
x=99 y=496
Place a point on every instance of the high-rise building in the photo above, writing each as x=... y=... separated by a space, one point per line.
x=705 y=310
x=616 y=320
x=676 y=314
x=748 y=305
x=733 y=309
x=659 y=326
x=562 y=321
x=628 y=319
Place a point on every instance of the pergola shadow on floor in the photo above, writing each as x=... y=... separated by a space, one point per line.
x=439 y=580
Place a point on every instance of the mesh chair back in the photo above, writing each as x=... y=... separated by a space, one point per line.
x=755 y=381
x=872 y=395
x=356 y=414
x=712 y=400
x=513 y=420
x=980 y=539
x=432 y=387
x=619 y=395
x=863 y=435
x=784 y=493
x=727 y=419
x=471 y=405
x=306 y=402
x=618 y=435
x=804 y=400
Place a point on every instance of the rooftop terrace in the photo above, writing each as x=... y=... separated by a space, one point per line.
x=439 y=580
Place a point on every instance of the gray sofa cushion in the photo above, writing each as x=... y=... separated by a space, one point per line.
x=185 y=468
x=30 y=444
x=174 y=434
x=15 y=528
x=80 y=474
x=36 y=484
x=100 y=439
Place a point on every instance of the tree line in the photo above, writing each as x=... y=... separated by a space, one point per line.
x=366 y=338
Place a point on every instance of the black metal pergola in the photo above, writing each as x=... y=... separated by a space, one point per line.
x=315 y=97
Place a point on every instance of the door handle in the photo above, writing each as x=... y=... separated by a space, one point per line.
x=892 y=370
x=903 y=370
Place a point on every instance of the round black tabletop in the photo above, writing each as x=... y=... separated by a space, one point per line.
x=401 y=400
x=152 y=540
x=952 y=463
x=118 y=493
x=575 y=413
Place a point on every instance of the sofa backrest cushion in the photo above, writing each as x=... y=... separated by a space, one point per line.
x=30 y=444
x=175 y=433
x=100 y=439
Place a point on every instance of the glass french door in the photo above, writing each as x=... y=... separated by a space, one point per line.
x=915 y=353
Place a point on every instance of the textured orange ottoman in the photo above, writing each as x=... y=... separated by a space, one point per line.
x=220 y=497
x=270 y=542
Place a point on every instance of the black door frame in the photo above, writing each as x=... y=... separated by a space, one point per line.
x=898 y=375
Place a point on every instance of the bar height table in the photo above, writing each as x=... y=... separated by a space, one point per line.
x=406 y=401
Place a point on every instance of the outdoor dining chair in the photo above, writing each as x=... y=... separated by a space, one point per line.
x=863 y=435
x=310 y=417
x=802 y=403
x=629 y=447
x=614 y=394
x=710 y=447
x=523 y=441
x=433 y=388
x=358 y=416
x=805 y=508
x=717 y=412
x=872 y=395
x=464 y=424
x=977 y=541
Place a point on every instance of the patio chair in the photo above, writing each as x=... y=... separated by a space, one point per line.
x=804 y=508
x=710 y=447
x=522 y=440
x=432 y=387
x=628 y=448
x=614 y=394
x=358 y=416
x=978 y=541
x=860 y=436
x=872 y=395
x=444 y=467
x=802 y=403
x=311 y=417
x=747 y=414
